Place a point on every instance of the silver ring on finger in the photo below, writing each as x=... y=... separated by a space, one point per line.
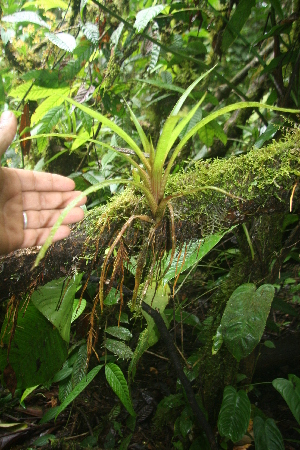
x=25 y=220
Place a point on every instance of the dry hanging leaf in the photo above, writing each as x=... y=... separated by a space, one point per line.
x=25 y=122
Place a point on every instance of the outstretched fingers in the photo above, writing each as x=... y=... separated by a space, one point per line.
x=38 y=201
x=43 y=181
x=33 y=237
x=47 y=218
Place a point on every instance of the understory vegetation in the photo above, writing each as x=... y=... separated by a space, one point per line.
x=169 y=318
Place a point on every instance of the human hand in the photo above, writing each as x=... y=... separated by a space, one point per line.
x=42 y=196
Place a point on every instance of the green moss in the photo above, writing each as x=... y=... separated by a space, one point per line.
x=258 y=174
x=112 y=71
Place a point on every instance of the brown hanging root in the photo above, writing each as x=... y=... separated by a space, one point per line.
x=173 y=238
x=112 y=247
x=12 y=311
x=93 y=334
x=89 y=273
x=121 y=294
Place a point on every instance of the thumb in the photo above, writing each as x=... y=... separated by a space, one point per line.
x=8 y=129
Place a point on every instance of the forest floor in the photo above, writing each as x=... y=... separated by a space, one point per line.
x=96 y=419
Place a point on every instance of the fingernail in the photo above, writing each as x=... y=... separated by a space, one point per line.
x=6 y=115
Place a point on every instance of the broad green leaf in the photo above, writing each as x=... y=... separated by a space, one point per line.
x=78 y=308
x=27 y=392
x=142 y=346
x=117 y=382
x=82 y=138
x=91 y=32
x=146 y=15
x=47 y=4
x=50 y=120
x=290 y=391
x=206 y=135
x=65 y=41
x=36 y=92
x=191 y=254
x=119 y=332
x=44 y=440
x=55 y=301
x=43 y=111
x=26 y=16
x=115 y=37
x=75 y=392
x=157 y=297
x=270 y=132
x=49 y=415
x=80 y=365
x=234 y=415
x=86 y=120
x=217 y=341
x=219 y=133
x=37 y=349
x=236 y=22
x=267 y=435
x=62 y=374
x=277 y=6
x=245 y=317
x=185 y=422
x=43 y=77
x=118 y=348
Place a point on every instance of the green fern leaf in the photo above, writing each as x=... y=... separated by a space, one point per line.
x=117 y=382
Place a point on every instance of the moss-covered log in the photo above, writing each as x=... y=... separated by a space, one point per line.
x=264 y=179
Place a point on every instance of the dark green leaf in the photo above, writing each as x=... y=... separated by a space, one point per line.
x=119 y=332
x=189 y=256
x=117 y=382
x=186 y=423
x=62 y=374
x=270 y=132
x=245 y=318
x=118 y=348
x=77 y=390
x=234 y=415
x=236 y=22
x=206 y=135
x=43 y=440
x=37 y=349
x=277 y=6
x=267 y=435
x=290 y=391
x=55 y=301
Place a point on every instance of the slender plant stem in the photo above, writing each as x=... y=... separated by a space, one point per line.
x=199 y=415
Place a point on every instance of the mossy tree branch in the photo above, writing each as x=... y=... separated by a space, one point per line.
x=263 y=178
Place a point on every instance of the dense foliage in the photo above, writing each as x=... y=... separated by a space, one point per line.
x=111 y=92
